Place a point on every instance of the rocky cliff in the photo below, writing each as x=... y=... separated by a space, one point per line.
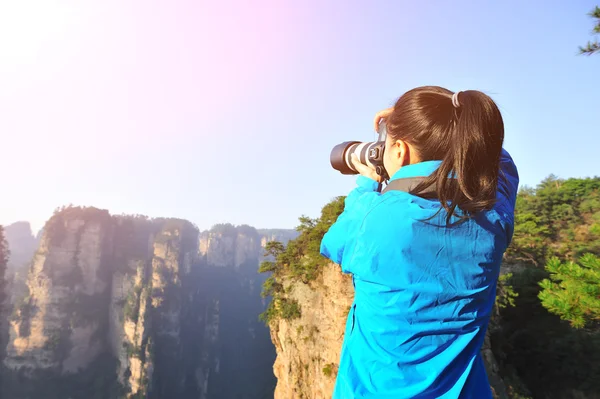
x=225 y=245
x=22 y=244
x=308 y=347
x=131 y=307
x=103 y=300
x=242 y=352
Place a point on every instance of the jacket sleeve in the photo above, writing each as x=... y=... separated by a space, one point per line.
x=508 y=185
x=342 y=232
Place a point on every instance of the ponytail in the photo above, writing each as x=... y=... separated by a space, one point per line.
x=465 y=131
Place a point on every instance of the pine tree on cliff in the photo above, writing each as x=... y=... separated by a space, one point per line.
x=593 y=47
x=4 y=254
x=573 y=290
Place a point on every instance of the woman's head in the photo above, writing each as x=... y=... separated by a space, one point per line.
x=425 y=125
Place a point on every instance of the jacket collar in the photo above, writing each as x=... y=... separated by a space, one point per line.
x=425 y=168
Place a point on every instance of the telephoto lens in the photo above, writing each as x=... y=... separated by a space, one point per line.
x=369 y=153
x=341 y=155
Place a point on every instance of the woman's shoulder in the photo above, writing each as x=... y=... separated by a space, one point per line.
x=402 y=214
x=403 y=205
x=397 y=246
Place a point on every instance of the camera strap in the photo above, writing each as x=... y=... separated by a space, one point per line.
x=408 y=183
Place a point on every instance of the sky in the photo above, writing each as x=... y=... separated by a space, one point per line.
x=226 y=111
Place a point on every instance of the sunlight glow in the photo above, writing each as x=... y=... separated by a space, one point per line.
x=26 y=26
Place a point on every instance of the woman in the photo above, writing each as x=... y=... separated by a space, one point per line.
x=425 y=269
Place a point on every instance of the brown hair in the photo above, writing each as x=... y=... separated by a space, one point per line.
x=467 y=139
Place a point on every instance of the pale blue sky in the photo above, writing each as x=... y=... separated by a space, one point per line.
x=227 y=111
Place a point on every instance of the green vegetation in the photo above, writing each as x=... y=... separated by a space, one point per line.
x=131 y=309
x=300 y=261
x=555 y=250
x=272 y=249
x=132 y=350
x=505 y=293
x=330 y=370
x=593 y=47
x=573 y=291
x=23 y=310
x=280 y=307
x=177 y=233
x=289 y=309
x=559 y=218
x=247 y=230
x=224 y=229
x=56 y=226
x=53 y=340
x=271 y=287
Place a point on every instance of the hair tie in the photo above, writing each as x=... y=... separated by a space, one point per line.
x=455 y=100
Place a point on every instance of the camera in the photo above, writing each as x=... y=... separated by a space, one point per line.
x=369 y=153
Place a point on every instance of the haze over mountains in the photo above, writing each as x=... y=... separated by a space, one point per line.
x=106 y=306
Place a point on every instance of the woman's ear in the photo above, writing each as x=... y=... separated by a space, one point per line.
x=401 y=153
x=406 y=154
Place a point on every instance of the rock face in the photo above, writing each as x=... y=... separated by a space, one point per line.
x=281 y=235
x=131 y=307
x=225 y=245
x=238 y=356
x=103 y=302
x=308 y=348
x=49 y=330
x=22 y=244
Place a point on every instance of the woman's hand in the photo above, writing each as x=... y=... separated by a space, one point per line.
x=382 y=115
x=365 y=170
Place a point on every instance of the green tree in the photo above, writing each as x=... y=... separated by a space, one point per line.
x=299 y=261
x=531 y=233
x=273 y=249
x=271 y=287
x=593 y=46
x=558 y=218
x=289 y=309
x=556 y=224
x=302 y=257
x=573 y=290
x=505 y=293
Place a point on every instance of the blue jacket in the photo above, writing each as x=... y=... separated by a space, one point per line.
x=423 y=293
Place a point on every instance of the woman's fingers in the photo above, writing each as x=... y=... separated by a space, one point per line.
x=364 y=170
x=359 y=166
x=382 y=115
